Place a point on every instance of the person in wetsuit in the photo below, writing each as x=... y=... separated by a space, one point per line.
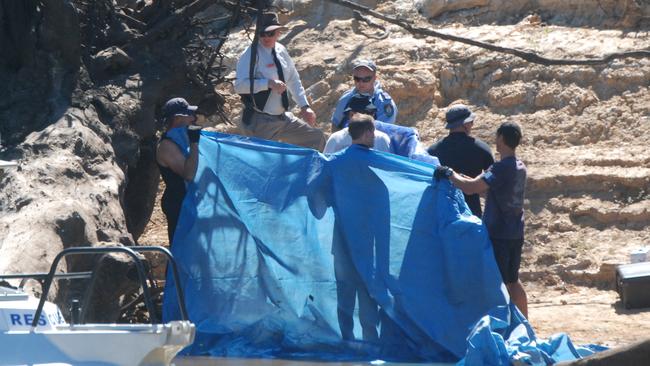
x=175 y=166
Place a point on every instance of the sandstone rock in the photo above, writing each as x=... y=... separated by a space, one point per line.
x=433 y=8
x=71 y=195
x=509 y=96
x=321 y=11
x=317 y=90
x=414 y=91
x=37 y=64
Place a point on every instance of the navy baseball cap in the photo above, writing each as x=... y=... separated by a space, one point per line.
x=178 y=107
x=360 y=103
x=457 y=115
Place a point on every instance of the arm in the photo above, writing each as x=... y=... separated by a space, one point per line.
x=489 y=161
x=308 y=115
x=242 y=80
x=292 y=79
x=170 y=156
x=469 y=185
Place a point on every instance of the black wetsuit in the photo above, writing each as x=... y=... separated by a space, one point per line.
x=173 y=196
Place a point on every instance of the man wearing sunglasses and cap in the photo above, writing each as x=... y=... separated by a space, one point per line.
x=364 y=73
x=264 y=88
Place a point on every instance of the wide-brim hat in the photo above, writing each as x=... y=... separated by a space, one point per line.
x=270 y=22
x=458 y=115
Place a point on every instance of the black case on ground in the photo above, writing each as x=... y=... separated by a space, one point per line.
x=633 y=284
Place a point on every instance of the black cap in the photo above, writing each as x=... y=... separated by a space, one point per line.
x=360 y=103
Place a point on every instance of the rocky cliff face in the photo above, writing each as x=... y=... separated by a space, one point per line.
x=82 y=83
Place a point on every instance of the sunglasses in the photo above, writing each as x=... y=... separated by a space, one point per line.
x=363 y=79
x=268 y=34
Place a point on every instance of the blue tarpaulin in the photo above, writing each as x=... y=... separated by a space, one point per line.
x=273 y=238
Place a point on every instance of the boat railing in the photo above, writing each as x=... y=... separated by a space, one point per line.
x=174 y=267
x=40 y=277
x=47 y=279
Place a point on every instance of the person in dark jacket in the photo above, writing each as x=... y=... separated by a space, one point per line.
x=463 y=153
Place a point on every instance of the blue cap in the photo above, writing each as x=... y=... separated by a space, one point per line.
x=458 y=115
x=178 y=107
x=360 y=103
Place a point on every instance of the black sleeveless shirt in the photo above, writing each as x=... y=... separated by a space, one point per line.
x=174 y=194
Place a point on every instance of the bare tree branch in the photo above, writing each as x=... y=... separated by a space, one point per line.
x=133 y=22
x=170 y=22
x=528 y=56
x=231 y=24
x=371 y=23
x=231 y=6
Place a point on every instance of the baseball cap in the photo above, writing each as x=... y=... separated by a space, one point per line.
x=360 y=103
x=178 y=107
x=362 y=62
x=457 y=115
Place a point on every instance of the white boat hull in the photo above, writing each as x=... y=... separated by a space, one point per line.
x=97 y=344
x=34 y=331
